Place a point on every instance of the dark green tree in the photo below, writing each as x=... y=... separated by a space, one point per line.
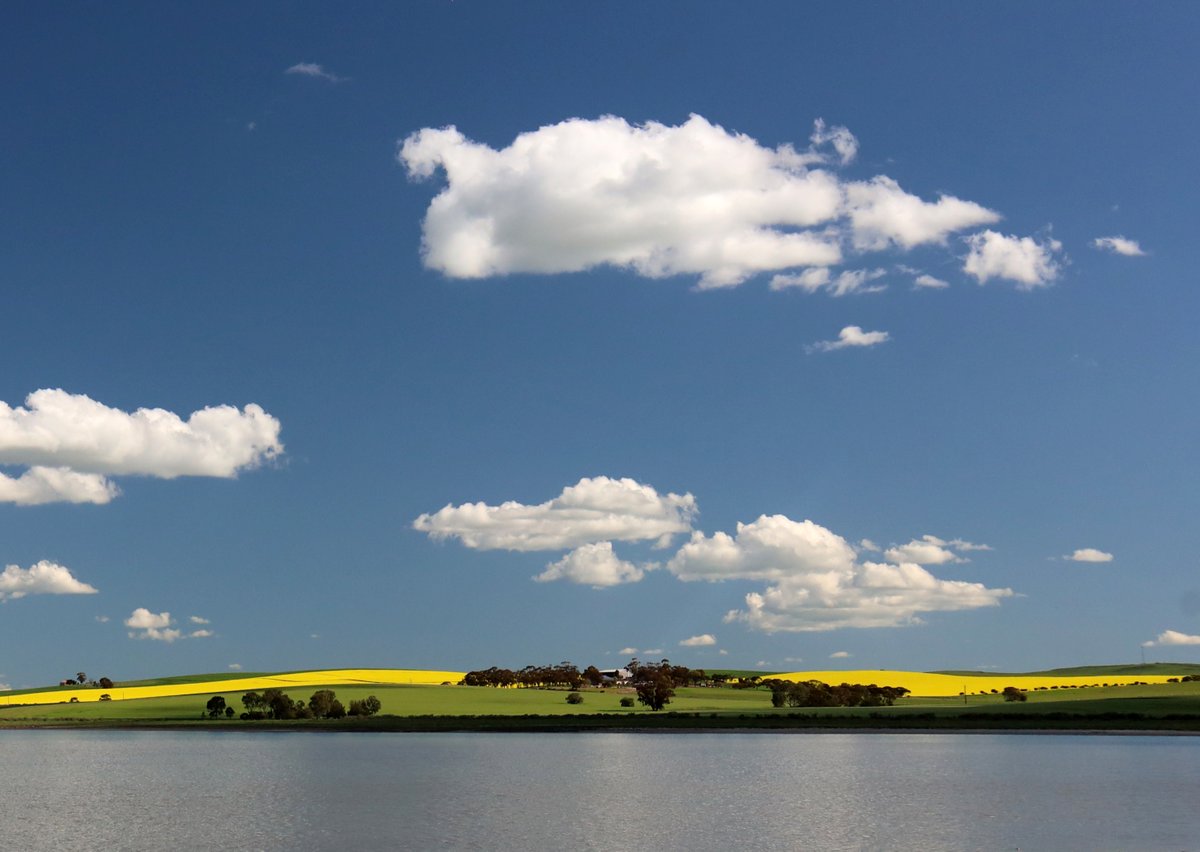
x=368 y=706
x=321 y=703
x=654 y=684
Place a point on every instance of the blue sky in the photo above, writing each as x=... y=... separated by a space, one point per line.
x=907 y=292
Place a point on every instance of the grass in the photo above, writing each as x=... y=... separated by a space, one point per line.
x=723 y=707
x=415 y=700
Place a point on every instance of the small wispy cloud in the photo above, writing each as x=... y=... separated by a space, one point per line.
x=850 y=336
x=1172 y=637
x=1089 y=554
x=840 y=655
x=235 y=667
x=928 y=282
x=1119 y=245
x=699 y=641
x=159 y=626
x=312 y=69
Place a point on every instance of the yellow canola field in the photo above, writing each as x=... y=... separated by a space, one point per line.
x=923 y=683
x=323 y=677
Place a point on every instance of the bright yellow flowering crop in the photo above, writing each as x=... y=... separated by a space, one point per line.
x=922 y=683
x=324 y=677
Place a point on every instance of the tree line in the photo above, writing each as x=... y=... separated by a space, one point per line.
x=274 y=703
x=654 y=683
x=814 y=693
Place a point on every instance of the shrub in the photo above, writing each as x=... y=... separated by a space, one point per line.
x=574 y=698
x=627 y=701
x=106 y=697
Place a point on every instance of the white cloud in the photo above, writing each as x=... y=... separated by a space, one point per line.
x=723 y=652
x=627 y=651
x=71 y=443
x=660 y=200
x=593 y=510
x=40 y=485
x=650 y=652
x=882 y=215
x=236 y=667
x=195 y=619
x=145 y=624
x=5 y=687
x=1089 y=554
x=312 y=69
x=931 y=550
x=102 y=619
x=200 y=634
x=840 y=655
x=41 y=578
x=843 y=140
x=1119 y=245
x=819 y=278
x=1172 y=637
x=593 y=565
x=1021 y=259
x=772 y=548
x=703 y=640
x=928 y=282
x=850 y=336
x=815 y=582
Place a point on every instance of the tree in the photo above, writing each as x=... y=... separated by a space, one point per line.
x=279 y=704
x=321 y=703
x=215 y=706
x=592 y=675
x=81 y=677
x=574 y=698
x=256 y=706
x=368 y=706
x=105 y=683
x=654 y=685
x=1012 y=693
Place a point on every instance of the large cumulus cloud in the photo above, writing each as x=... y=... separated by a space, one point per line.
x=71 y=444
x=593 y=510
x=663 y=200
x=815 y=580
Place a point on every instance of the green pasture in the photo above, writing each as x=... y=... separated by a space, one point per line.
x=397 y=700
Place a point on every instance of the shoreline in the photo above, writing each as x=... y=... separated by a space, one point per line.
x=665 y=725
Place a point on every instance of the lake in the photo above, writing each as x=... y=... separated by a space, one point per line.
x=146 y=790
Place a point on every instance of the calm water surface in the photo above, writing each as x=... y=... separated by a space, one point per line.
x=194 y=790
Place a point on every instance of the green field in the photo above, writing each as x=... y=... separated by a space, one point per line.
x=718 y=706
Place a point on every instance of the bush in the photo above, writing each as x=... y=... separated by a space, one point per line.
x=574 y=698
x=106 y=697
x=627 y=701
